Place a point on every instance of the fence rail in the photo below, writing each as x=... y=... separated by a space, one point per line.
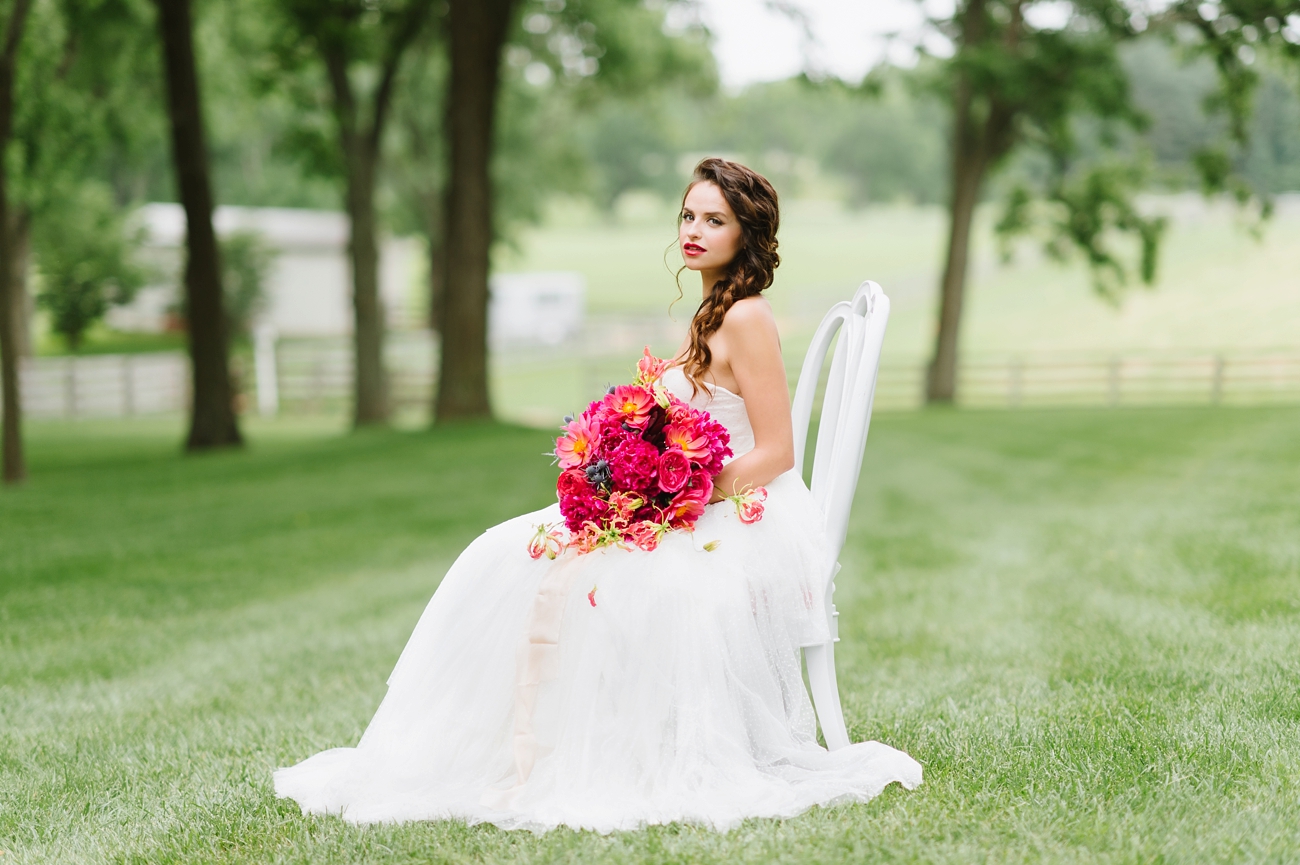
x=316 y=376
x=104 y=385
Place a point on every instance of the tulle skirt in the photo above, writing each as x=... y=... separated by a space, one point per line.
x=611 y=690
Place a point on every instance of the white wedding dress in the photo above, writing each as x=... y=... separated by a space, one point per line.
x=672 y=692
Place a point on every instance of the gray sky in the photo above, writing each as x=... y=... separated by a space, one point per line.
x=755 y=43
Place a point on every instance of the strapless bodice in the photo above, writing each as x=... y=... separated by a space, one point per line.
x=722 y=405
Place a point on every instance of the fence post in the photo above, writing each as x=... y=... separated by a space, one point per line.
x=315 y=399
x=128 y=385
x=1015 y=382
x=1112 y=397
x=1216 y=386
x=70 y=387
x=264 y=371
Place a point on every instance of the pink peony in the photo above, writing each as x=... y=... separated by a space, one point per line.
x=633 y=463
x=580 y=510
x=674 y=471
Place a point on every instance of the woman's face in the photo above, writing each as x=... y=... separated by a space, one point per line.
x=709 y=233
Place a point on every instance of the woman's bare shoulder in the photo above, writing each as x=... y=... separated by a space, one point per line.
x=750 y=313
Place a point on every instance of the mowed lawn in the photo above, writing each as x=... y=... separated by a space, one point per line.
x=1086 y=625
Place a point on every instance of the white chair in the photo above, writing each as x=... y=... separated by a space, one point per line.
x=841 y=437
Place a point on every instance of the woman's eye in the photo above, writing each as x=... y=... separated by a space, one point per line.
x=715 y=221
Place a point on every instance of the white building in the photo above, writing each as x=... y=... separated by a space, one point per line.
x=536 y=308
x=309 y=288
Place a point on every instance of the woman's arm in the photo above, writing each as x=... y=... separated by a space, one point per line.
x=748 y=343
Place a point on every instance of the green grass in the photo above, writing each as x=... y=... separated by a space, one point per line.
x=1085 y=624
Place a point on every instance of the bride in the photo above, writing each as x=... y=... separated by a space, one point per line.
x=622 y=688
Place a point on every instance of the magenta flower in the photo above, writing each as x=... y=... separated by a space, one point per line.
x=637 y=464
x=633 y=463
x=674 y=471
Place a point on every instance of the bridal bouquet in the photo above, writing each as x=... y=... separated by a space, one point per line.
x=636 y=465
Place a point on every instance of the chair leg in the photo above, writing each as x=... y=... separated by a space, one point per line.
x=826 y=694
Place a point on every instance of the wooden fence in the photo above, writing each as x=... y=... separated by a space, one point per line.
x=104 y=385
x=1061 y=380
x=316 y=377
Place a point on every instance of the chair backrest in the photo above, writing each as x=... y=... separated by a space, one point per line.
x=846 y=407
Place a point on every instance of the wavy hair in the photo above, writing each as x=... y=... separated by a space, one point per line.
x=753 y=200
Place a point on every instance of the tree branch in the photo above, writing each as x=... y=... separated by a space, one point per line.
x=408 y=27
x=8 y=60
x=345 y=106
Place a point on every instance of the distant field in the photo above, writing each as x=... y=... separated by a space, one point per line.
x=1086 y=626
x=1218 y=287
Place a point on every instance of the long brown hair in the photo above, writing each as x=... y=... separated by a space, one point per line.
x=753 y=200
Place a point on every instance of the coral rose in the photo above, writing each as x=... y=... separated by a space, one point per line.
x=674 y=471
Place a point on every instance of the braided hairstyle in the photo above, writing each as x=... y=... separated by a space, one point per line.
x=753 y=200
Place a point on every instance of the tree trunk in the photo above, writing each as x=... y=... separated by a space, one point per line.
x=370 y=382
x=20 y=297
x=477 y=32
x=14 y=468
x=212 y=419
x=435 y=231
x=967 y=180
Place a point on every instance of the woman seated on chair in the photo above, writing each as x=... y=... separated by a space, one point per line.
x=627 y=687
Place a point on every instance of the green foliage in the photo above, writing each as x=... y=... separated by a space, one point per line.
x=583 y=106
x=245 y=263
x=1082 y=623
x=1060 y=95
x=1083 y=212
x=1235 y=35
x=85 y=259
x=86 y=78
x=891 y=146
